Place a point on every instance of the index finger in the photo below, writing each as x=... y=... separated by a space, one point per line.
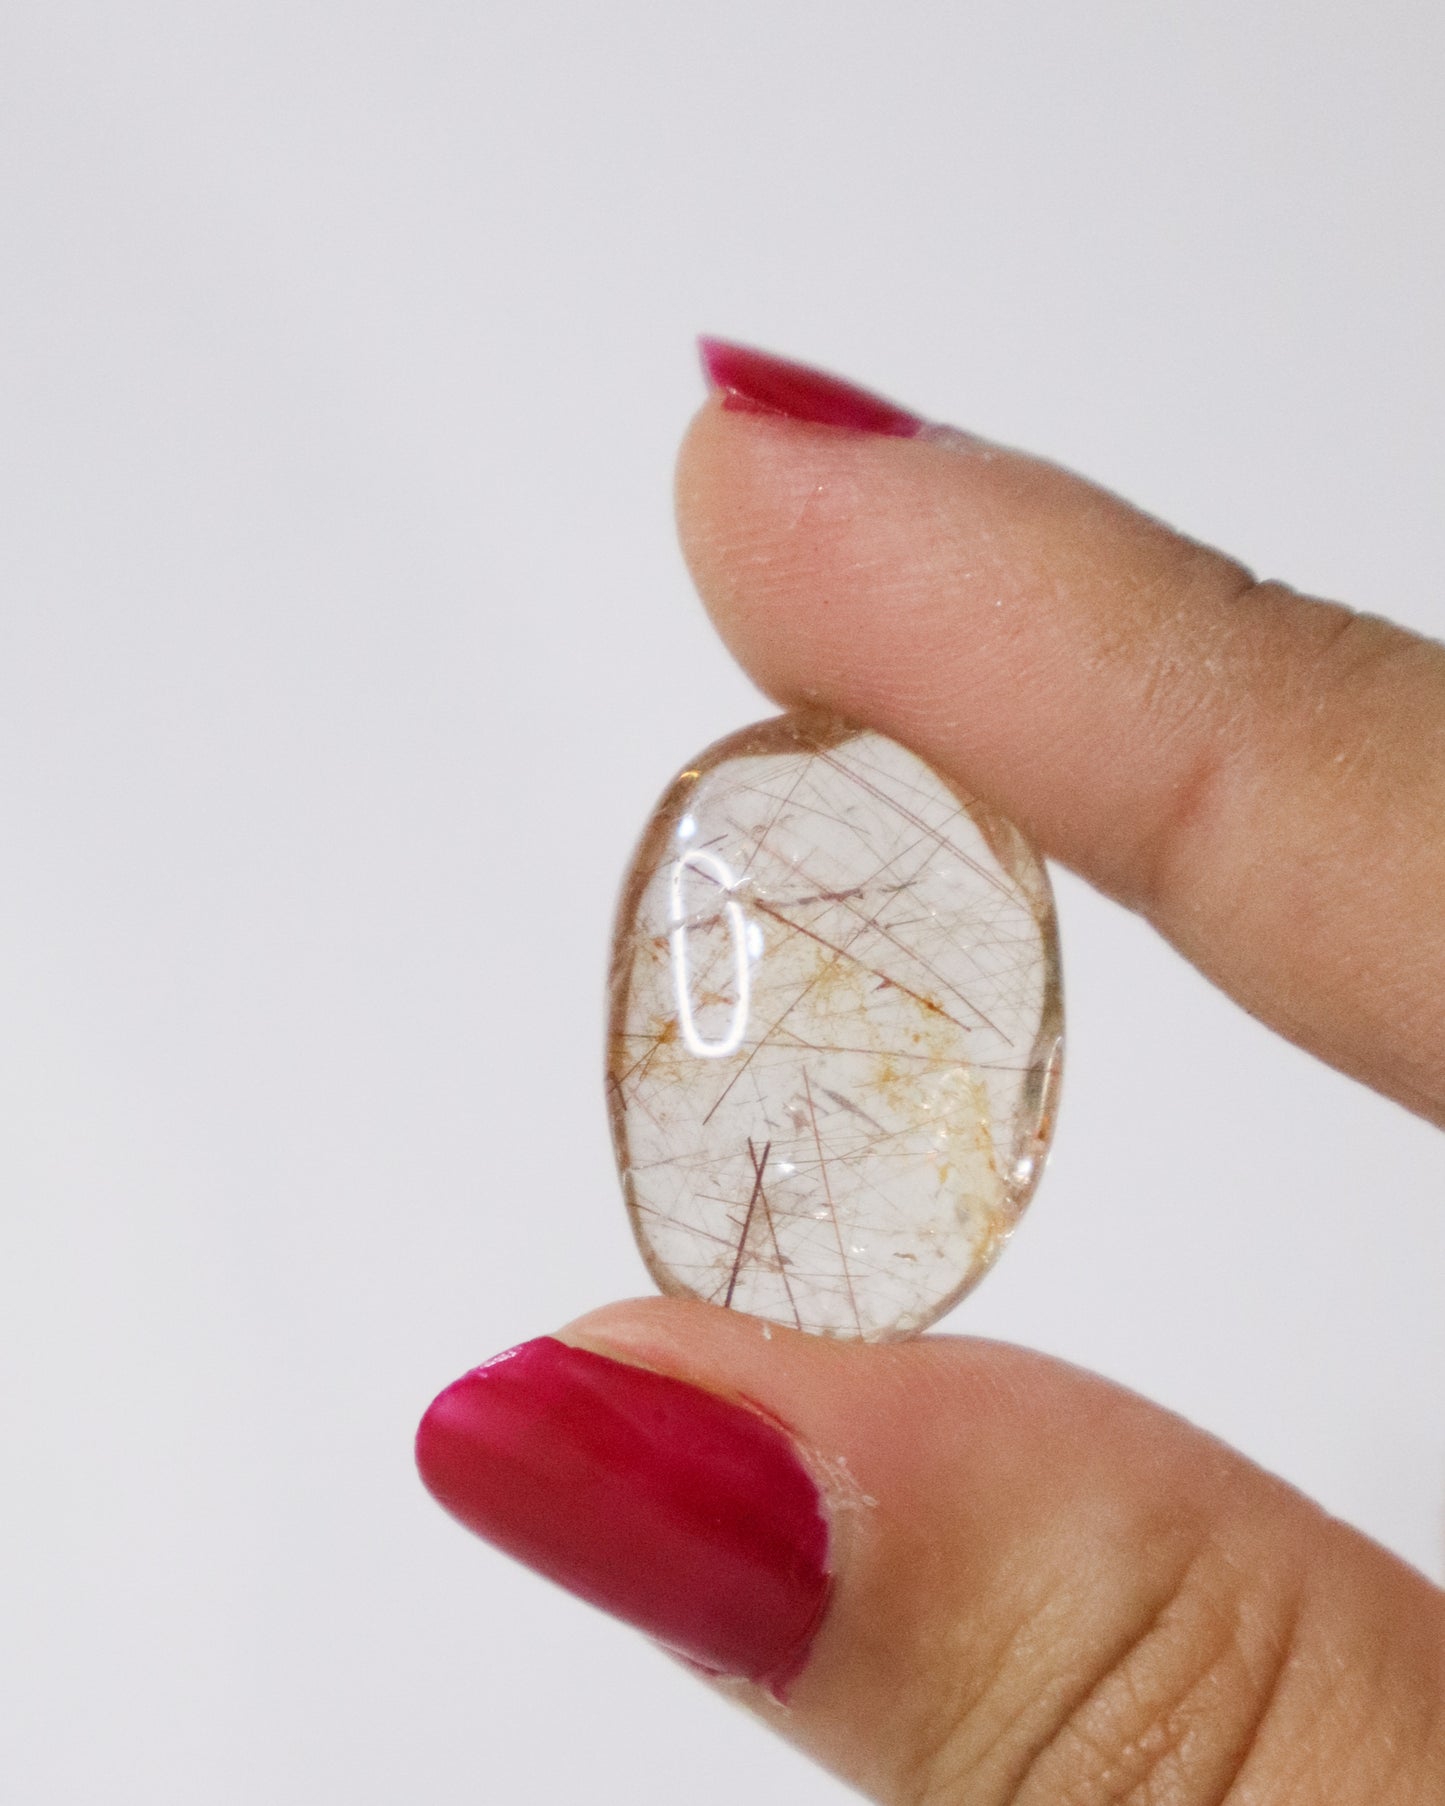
x=1260 y=773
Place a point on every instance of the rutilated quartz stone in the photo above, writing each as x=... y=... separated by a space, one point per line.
x=835 y=1034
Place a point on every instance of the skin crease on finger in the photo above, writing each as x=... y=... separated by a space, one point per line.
x=1188 y=1631
x=1261 y=774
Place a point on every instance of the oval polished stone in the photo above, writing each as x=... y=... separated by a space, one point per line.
x=835 y=1032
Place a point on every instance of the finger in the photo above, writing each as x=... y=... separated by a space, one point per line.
x=972 y=1573
x=1263 y=775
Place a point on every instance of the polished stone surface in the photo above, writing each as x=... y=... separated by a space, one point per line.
x=835 y=1032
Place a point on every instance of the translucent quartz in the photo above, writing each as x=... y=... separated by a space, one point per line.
x=835 y=1032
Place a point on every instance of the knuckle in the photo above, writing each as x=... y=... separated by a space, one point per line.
x=1179 y=1713
x=1348 y=696
x=1167 y=1716
x=1337 y=709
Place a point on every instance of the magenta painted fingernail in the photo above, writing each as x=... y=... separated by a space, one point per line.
x=758 y=383
x=689 y=1516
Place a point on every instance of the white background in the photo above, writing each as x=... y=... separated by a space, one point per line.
x=344 y=645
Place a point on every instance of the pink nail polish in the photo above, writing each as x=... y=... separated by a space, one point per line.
x=684 y=1514
x=757 y=383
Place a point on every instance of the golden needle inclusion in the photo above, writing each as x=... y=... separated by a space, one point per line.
x=835 y=1034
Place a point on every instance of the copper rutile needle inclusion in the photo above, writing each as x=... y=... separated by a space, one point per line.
x=835 y=1034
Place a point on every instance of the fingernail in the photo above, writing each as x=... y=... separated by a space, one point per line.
x=683 y=1514
x=760 y=384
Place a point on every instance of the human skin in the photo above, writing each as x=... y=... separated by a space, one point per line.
x=1057 y=1594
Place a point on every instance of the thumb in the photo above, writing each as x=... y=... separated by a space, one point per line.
x=951 y=1570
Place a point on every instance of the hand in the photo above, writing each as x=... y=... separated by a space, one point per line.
x=975 y=1574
